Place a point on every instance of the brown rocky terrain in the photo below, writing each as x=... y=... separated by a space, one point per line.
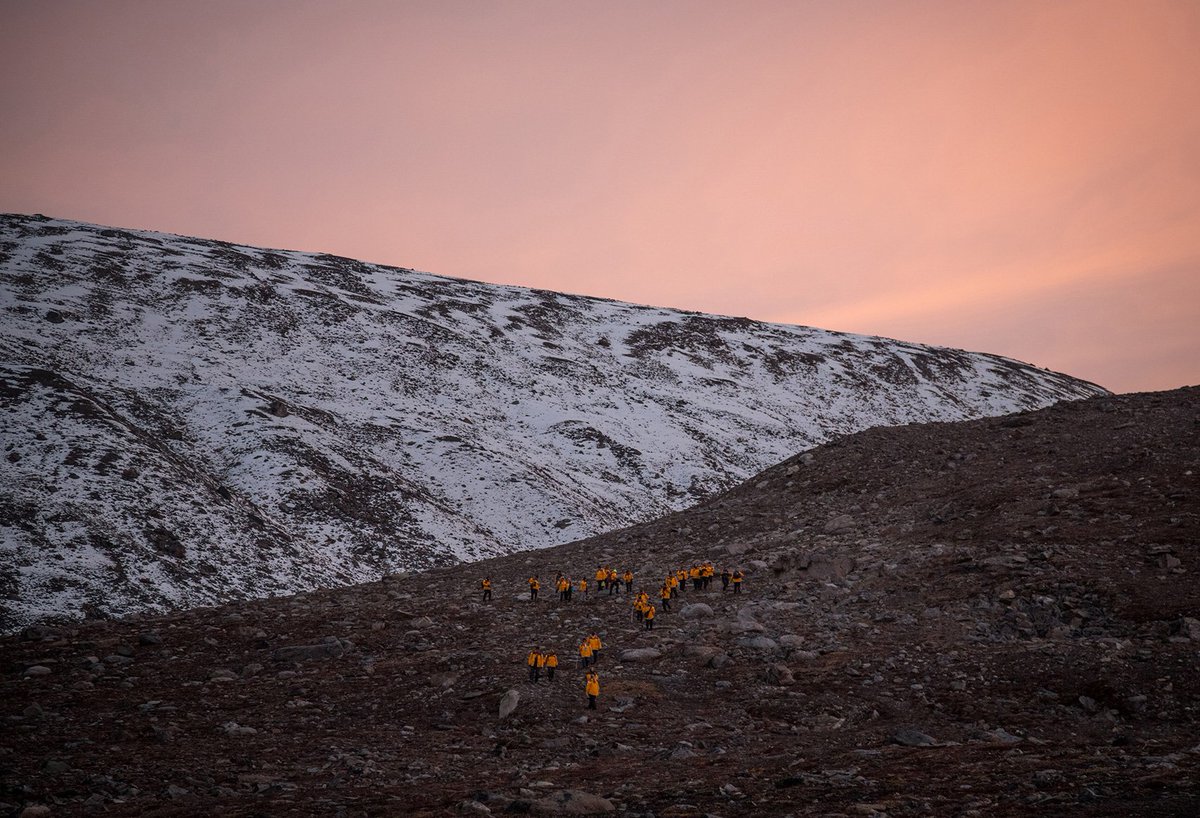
x=996 y=617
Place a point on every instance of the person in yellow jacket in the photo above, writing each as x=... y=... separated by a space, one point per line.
x=585 y=652
x=533 y=660
x=737 y=581
x=664 y=594
x=649 y=617
x=583 y=588
x=673 y=584
x=694 y=573
x=591 y=684
x=612 y=582
x=601 y=575
x=681 y=576
x=706 y=574
x=597 y=646
x=627 y=578
x=639 y=609
x=486 y=584
x=534 y=585
x=551 y=665
x=561 y=586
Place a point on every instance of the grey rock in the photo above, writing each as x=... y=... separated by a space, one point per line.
x=443 y=680
x=508 y=703
x=640 y=655
x=791 y=640
x=759 y=643
x=697 y=610
x=572 y=802
x=149 y=638
x=323 y=650
x=780 y=674
x=37 y=670
x=840 y=523
x=909 y=737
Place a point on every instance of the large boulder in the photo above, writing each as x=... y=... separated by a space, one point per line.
x=640 y=654
x=572 y=802
x=508 y=703
x=697 y=610
x=329 y=648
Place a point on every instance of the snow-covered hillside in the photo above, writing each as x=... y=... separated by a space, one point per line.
x=189 y=420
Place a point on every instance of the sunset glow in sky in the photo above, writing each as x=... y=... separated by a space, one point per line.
x=1012 y=177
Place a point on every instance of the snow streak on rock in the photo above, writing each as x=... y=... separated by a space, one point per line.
x=188 y=421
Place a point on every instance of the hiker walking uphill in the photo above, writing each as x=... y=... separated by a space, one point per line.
x=486 y=585
x=551 y=665
x=563 y=587
x=725 y=577
x=591 y=684
x=649 y=616
x=627 y=578
x=596 y=645
x=583 y=588
x=535 y=661
x=585 y=653
x=737 y=581
x=612 y=582
x=601 y=575
x=534 y=585
x=664 y=594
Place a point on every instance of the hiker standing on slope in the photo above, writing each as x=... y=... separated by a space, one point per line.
x=649 y=616
x=583 y=588
x=533 y=587
x=597 y=645
x=486 y=584
x=585 y=653
x=532 y=661
x=664 y=594
x=551 y=665
x=737 y=581
x=627 y=578
x=592 y=686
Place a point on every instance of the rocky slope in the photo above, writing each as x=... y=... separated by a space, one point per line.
x=189 y=421
x=996 y=617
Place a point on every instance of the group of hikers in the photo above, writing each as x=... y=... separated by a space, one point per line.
x=607 y=579
x=589 y=655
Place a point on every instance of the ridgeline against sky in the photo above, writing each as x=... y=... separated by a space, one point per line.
x=1021 y=178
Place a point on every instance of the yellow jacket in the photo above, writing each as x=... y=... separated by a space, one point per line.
x=601 y=574
x=552 y=660
x=532 y=659
x=585 y=648
x=541 y=660
x=583 y=584
x=486 y=584
x=649 y=611
x=664 y=592
x=594 y=641
x=593 y=685
x=627 y=576
x=533 y=583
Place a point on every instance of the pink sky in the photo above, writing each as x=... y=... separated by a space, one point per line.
x=1019 y=178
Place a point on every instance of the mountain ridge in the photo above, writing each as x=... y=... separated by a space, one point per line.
x=222 y=420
